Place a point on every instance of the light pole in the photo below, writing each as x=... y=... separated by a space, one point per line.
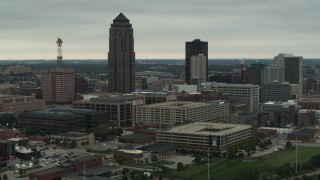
x=296 y=156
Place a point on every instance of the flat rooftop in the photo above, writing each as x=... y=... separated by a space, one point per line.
x=206 y=128
x=72 y=134
x=177 y=104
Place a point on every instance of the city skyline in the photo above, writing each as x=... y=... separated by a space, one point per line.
x=246 y=29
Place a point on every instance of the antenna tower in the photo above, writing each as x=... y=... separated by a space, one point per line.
x=59 y=53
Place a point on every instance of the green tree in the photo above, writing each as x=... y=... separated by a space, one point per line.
x=179 y=166
x=125 y=171
x=20 y=172
x=74 y=143
x=57 y=141
x=198 y=159
x=288 y=144
x=124 y=177
x=5 y=177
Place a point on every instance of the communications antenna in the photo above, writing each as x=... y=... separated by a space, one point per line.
x=59 y=53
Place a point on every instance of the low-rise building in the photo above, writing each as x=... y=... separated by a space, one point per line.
x=161 y=151
x=52 y=122
x=119 y=108
x=19 y=104
x=73 y=139
x=306 y=117
x=68 y=167
x=304 y=135
x=249 y=118
x=196 y=136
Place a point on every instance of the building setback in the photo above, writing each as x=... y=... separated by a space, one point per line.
x=121 y=56
x=194 y=48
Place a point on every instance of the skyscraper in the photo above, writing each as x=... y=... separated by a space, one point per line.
x=121 y=56
x=285 y=67
x=194 y=48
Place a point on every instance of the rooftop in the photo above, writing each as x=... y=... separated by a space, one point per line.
x=131 y=151
x=121 y=18
x=159 y=147
x=206 y=128
x=72 y=134
x=178 y=104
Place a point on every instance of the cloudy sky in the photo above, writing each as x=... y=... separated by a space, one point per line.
x=233 y=28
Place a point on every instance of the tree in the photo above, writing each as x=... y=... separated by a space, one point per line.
x=74 y=143
x=288 y=144
x=5 y=177
x=124 y=177
x=57 y=141
x=125 y=171
x=179 y=166
x=20 y=172
x=197 y=159
x=154 y=158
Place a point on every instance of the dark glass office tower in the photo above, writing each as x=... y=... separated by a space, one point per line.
x=121 y=56
x=195 y=48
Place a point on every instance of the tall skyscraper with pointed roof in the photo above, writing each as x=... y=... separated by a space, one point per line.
x=121 y=56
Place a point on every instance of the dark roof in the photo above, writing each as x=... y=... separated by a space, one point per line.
x=92 y=172
x=158 y=148
x=121 y=18
x=136 y=137
x=304 y=132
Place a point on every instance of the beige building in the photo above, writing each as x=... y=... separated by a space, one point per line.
x=73 y=139
x=19 y=104
x=180 y=112
x=120 y=108
x=240 y=93
x=195 y=136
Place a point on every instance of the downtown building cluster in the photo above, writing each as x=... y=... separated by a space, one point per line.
x=184 y=113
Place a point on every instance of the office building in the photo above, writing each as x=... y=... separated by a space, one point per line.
x=93 y=118
x=275 y=91
x=121 y=56
x=240 y=94
x=19 y=104
x=253 y=73
x=119 y=108
x=52 y=122
x=198 y=69
x=73 y=139
x=195 y=136
x=285 y=67
x=181 y=112
x=59 y=86
x=193 y=50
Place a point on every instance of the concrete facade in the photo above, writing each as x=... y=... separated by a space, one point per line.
x=180 y=112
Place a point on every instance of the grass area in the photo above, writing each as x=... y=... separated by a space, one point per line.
x=162 y=162
x=154 y=164
x=264 y=165
x=223 y=168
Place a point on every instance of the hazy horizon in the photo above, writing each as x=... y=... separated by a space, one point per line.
x=234 y=29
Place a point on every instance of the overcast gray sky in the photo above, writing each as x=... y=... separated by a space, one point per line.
x=233 y=28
